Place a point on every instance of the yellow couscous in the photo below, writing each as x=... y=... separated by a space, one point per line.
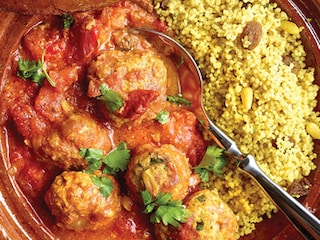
x=256 y=87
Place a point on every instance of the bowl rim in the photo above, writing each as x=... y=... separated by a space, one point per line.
x=18 y=226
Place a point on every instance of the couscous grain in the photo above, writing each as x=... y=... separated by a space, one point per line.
x=273 y=128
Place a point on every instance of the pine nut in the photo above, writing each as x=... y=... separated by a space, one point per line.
x=313 y=129
x=290 y=27
x=247 y=97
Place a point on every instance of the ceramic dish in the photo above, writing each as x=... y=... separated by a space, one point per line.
x=18 y=219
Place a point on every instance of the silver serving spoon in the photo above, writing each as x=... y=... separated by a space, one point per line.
x=303 y=220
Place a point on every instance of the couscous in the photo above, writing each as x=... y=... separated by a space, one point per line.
x=257 y=88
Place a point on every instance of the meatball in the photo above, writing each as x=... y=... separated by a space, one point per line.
x=138 y=76
x=125 y=71
x=78 y=204
x=61 y=146
x=158 y=169
x=210 y=218
x=182 y=131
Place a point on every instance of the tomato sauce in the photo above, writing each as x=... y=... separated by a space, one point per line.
x=33 y=111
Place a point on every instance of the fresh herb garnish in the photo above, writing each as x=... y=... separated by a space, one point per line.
x=105 y=185
x=156 y=160
x=112 y=99
x=30 y=69
x=34 y=70
x=115 y=161
x=179 y=99
x=68 y=20
x=93 y=157
x=162 y=208
x=213 y=161
x=200 y=225
x=201 y=198
x=163 y=117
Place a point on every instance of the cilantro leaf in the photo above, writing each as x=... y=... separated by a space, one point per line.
x=105 y=185
x=68 y=20
x=93 y=157
x=147 y=201
x=91 y=154
x=172 y=214
x=34 y=70
x=30 y=70
x=163 y=117
x=203 y=173
x=163 y=209
x=117 y=160
x=178 y=99
x=93 y=166
x=111 y=98
x=212 y=162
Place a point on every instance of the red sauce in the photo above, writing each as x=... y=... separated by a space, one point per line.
x=33 y=110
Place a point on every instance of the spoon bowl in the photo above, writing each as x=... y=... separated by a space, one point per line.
x=307 y=224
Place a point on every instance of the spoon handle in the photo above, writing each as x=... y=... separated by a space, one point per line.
x=224 y=139
x=303 y=220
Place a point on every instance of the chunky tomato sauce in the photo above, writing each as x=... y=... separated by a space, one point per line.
x=46 y=122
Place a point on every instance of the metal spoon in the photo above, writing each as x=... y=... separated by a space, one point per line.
x=302 y=219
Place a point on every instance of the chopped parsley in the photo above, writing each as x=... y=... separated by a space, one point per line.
x=68 y=20
x=115 y=161
x=93 y=157
x=163 y=117
x=112 y=99
x=34 y=70
x=105 y=185
x=201 y=198
x=200 y=226
x=156 y=160
x=163 y=209
x=179 y=99
x=212 y=162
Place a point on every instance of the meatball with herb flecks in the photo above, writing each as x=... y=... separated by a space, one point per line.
x=78 y=203
x=210 y=219
x=137 y=77
x=159 y=170
x=61 y=145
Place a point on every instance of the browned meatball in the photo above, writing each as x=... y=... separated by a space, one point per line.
x=78 y=204
x=158 y=169
x=182 y=131
x=61 y=146
x=210 y=219
x=126 y=71
x=139 y=76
